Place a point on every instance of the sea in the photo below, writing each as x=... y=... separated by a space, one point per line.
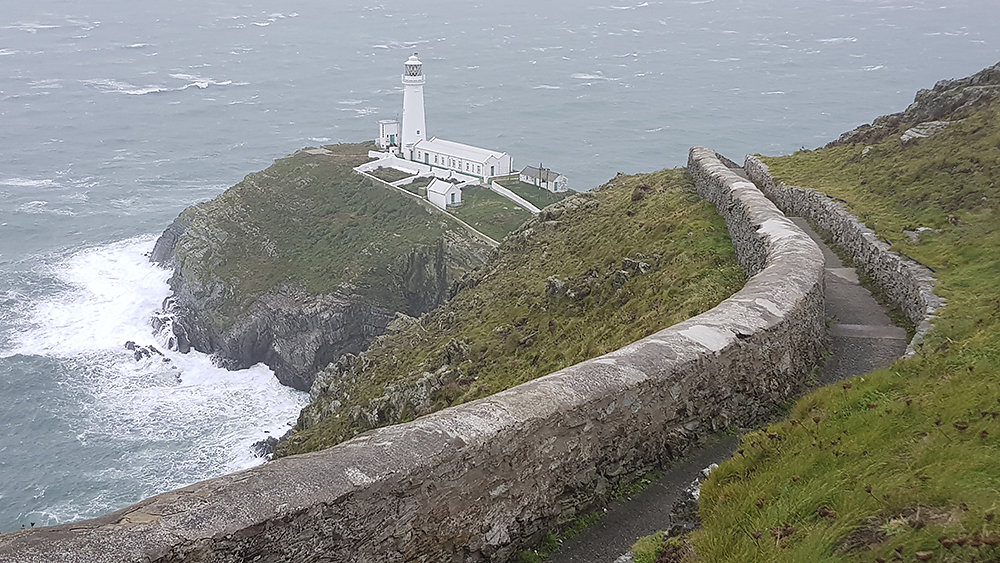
x=115 y=115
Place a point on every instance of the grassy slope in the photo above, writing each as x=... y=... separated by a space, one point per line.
x=514 y=330
x=906 y=457
x=539 y=197
x=309 y=220
x=489 y=213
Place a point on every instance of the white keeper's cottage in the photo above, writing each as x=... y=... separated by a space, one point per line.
x=443 y=194
x=544 y=178
x=408 y=138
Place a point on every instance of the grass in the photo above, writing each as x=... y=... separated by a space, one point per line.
x=648 y=548
x=553 y=540
x=591 y=274
x=903 y=460
x=307 y=221
x=539 y=197
x=390 y=175
x=490 y=213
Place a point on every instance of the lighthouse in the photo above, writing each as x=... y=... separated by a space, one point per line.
x=406 y=139
x=413 y=127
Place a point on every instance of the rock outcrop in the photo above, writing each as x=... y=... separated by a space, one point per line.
x=241 y=292
x=946 y=99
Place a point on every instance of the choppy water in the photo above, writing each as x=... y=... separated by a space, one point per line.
x=116 y=115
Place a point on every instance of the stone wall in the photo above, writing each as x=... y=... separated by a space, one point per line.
x=909 y=285
x=480 y=481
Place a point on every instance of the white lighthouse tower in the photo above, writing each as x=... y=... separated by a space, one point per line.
x=413 y=127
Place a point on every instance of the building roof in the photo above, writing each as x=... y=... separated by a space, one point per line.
x=543 y=174
x=457 y=150
x=439 y=186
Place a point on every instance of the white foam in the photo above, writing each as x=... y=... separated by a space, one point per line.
x=29 y=182
x=30 y=27
x=108 y=85
x=588 y=76
x=42 y=207
x=181 y=418
x=839 y=40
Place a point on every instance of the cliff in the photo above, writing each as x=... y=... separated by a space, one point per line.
x=589 y=274
x=306 y=261
x=948 y=99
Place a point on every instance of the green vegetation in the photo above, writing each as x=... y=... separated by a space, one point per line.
x=389 y=175
x=648 y=548
x=489 y=212
x=539 y=197
x=902 y=463
x=307 y=220
x=589 y=275
x=415 y=185
x=553 y=541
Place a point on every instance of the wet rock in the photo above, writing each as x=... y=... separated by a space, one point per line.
x=264 y=448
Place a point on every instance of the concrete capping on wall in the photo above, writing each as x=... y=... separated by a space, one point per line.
x=479 y=481
x=908 y=284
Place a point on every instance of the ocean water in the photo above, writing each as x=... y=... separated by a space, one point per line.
x=115 y=115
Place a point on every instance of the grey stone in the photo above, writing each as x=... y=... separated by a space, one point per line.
x=922 y=131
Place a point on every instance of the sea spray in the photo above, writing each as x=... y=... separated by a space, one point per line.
x=157 y=419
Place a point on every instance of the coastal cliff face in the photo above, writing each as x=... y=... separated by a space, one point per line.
x=304 y=262
x=947 y=100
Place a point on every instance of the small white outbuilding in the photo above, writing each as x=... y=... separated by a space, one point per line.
x=443 y=194
x=544 y=178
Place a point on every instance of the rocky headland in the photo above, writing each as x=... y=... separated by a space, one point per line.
x=304 y=262
x=932 y=109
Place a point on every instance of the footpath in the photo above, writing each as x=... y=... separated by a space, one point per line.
x=862 y=338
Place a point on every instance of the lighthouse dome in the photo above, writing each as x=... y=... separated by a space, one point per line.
x=413 y=66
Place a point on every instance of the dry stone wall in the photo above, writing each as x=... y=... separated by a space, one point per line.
x=479 y=481
x=909 y=285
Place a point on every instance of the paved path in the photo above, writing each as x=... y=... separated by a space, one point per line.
x=862 y=338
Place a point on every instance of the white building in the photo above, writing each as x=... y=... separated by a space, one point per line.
x=443 y=194
x=388 y=135
x=414 y=128
x=412 y=142
x=544 y=178
x=466 y=159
